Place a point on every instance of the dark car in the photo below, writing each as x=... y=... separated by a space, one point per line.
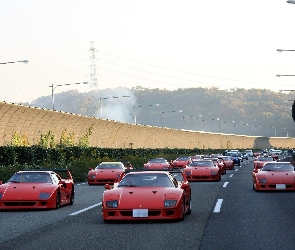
x=244 y=155
x=235 y=157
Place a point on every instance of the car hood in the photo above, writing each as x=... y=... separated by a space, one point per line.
x=279 y=177
x=142 y=197
x=202 y=170
x=25 y=191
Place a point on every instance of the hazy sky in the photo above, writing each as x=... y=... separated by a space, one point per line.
x=149 y=43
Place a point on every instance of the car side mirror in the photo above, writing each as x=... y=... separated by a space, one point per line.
x=184 y=185
x=108 y=186
x=61 y=182
x=90 y=169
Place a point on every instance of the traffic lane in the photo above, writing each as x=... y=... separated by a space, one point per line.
x=15 y=223
x=249 y=219
x=87 y=230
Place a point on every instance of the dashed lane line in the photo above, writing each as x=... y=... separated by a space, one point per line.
x=85 y=209
x=218 y=206
x=225 y=184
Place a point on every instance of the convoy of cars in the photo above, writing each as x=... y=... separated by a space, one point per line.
x=129 y=191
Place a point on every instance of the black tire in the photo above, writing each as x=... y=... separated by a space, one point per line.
x=183 y=209
x=57 y=200
x=72 y=199
x=189 y=211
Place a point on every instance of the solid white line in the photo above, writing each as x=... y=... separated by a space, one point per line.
x=85 y=209
x=218 y=206
x=236 y=169
x=231 y=175
x=225 y=184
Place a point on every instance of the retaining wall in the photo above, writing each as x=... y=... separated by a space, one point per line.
x=34 y=121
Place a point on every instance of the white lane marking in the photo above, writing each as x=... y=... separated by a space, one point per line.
x=85 y=209
x=240 y=166
x=231 y=175
x=236 y=169
x=218 y=206
x=80 y=184
x=225 y=184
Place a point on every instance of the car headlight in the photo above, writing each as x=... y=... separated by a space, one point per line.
x=170 y=203
x=1 y=194
x=213 y=173
x=91 y=176
x=44 y=196
x=188 y=173
x=118 y=175
x=112 y=204
x=262 y=180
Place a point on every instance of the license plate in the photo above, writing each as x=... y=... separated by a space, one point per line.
x=140 y=213
x=280 y=186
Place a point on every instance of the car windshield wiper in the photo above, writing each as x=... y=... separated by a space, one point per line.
x=14 y=181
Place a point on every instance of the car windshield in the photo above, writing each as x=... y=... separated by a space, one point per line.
x=278 y=167
x=202 y=164
x=146 y=180
x=158 y=160
x=26 y=177
x=109 y=166
x=183 y=158
x=265 y=159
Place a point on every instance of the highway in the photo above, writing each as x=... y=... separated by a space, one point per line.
x=225 y=215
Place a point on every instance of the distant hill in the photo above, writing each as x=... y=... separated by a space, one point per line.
x=257 y=112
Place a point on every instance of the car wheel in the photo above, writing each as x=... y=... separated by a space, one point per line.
x=72 y=199
x=189 y=211
x=183 y=209
x=57 y=200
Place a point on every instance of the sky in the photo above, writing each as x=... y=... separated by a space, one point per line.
x=153 y=44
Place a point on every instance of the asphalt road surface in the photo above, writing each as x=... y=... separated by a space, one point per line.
x=225 y=215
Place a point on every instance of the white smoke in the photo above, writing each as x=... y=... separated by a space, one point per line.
x=116 y=104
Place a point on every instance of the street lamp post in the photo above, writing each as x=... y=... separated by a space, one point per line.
x=101 y=103
x=281 y=50
x=105 y=98
x=23 y=61
x=54 y=87
x=134 y=108
x=275 y=131
x=287 y=131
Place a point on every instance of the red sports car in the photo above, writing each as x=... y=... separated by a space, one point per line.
x=218 y=163
x=274 y=176
x=261 y=160
x=106 y=172
x=147 y=195
x=202 y=170
x=37 y=189
x=157 y=164
x=181 y=162
x=196 y=157
x=228 y=162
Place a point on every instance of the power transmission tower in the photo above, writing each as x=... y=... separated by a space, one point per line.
x=93 y=80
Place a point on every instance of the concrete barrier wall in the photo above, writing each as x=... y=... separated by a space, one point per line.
x=111 y=134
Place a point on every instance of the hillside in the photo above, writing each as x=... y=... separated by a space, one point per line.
x=257 y=112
